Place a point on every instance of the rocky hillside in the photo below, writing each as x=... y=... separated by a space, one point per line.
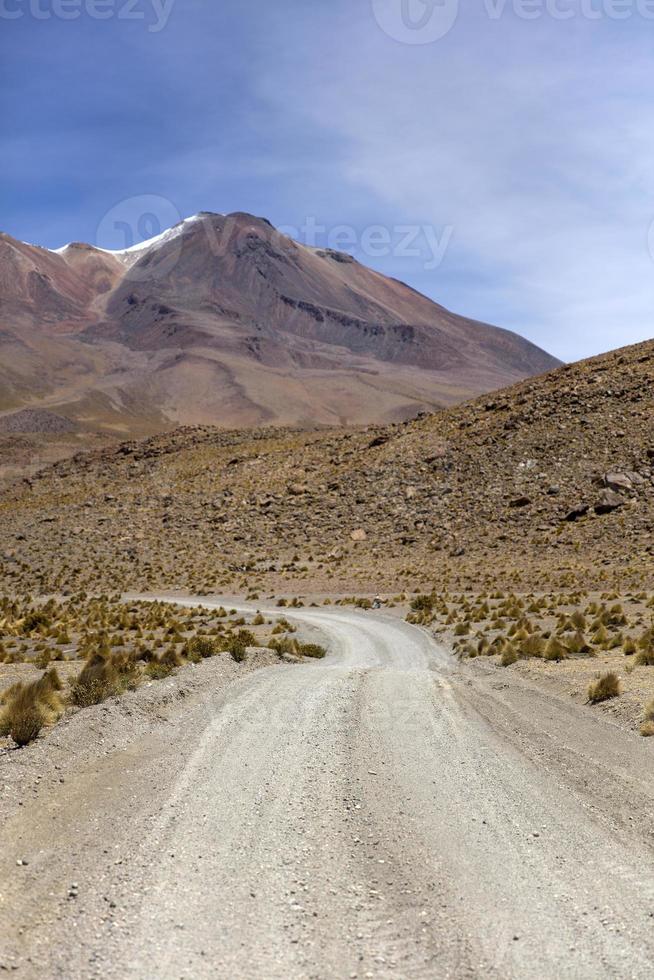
x=548 y=483
x=224 y=320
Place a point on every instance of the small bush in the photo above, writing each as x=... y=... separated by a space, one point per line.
x=509 y=656
x=26 y=724
x=246 y=638
x=204 y=646
x=533 y=646
x=28 y=707
x=606 y=687
x=555 y=650
x=159 y=668
x=237 y=650
x=647 y=727
x=282 y=645
x=313 y=650
x=97 y=681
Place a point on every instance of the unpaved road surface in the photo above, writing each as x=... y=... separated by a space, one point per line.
x=382 y=813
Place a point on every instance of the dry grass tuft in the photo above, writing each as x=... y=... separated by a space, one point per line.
x=605 y=687
x=27 y=708
x=97 y=681
x=647 y=727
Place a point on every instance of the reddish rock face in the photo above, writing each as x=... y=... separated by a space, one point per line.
x=226 y=320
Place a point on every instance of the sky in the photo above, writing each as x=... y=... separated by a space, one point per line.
x=497 y=155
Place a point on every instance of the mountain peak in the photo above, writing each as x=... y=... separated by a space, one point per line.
x=220 y=319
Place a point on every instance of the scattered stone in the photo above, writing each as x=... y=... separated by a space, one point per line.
x=608 y=502
x=618 y=481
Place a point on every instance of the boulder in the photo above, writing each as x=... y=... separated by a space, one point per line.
x=618 y=481
x=608 y=501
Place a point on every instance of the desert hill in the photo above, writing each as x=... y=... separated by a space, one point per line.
x=224 y=320
x=546 y=483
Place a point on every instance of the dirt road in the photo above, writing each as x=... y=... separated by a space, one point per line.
x=382 y=813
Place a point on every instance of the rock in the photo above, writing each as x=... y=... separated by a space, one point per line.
x=577 y=512
x=520 y=502
x=617 y=481
x=553 y=491
x=608 y=502
x=359 y=535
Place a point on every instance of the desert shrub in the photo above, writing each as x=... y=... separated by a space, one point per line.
x=282 y=645
x=28 y=707
x=578 y=620
x=532 y=646
x=258 y=620
x=313 y=650
x=246 y=638
x=171 y=657
x=605 y=687
x=577 y=643
x=509 y=656
x=205 y=646
x=36 y=620
x=158 y=668
x=645 y=658
x=647 y=727
x=237 y=650
x=601 y=636
x=42 y=659
x=97 y=681
x=629 y=647
x=555 y=650
x=27 y=722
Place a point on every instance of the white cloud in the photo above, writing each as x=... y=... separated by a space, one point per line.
x=534 y=140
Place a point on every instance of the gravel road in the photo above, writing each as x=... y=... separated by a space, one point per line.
x=382 y=813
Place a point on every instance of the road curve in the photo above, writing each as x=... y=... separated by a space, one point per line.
x=381 y=813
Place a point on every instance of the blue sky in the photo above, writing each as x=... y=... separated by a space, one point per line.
x=517 y=141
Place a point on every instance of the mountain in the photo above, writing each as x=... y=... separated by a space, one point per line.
x=224 y=320
x=547 y=485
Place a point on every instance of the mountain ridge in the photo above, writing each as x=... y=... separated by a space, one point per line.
x=279 y=332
